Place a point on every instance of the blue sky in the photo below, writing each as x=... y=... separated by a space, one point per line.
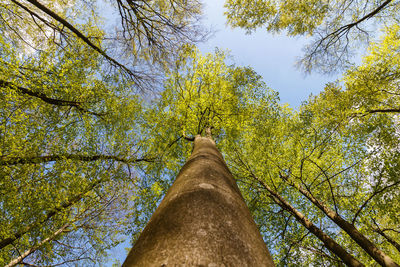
x=272 y=56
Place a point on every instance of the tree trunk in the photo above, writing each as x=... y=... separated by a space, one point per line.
x=202 y=221
x=75 y=199
x=329 y=243
x=36 y=247
x=389 y=239
x=377 y=254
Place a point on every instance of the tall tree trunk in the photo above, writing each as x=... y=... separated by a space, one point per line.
x=329 y=243
x=202 y=221
x=369 y=247
x=36 y=247
x=49 y=214
x=389 y=239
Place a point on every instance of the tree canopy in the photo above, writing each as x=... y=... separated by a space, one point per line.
x=336 y=28
x=97 y=118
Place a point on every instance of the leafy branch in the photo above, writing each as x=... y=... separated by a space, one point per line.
x=49 y=100
x=8 y=161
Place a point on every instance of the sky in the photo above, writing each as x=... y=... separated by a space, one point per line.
x=271 y=56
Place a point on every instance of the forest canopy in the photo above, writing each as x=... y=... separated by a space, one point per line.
x=98 y=113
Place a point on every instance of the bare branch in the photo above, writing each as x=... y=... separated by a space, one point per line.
x=334 y=46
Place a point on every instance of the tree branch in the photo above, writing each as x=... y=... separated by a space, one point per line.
x=389 y=110
x=369 y=198
x=388 y=238
x=188 y=138
x=49 y=100
x=9 y=161
x=339 y=32
x=49 y=214
x=369 y=247
x=332 y=38
x=36 y=247
x=9 y=240
x=79 y=34
x=321 y=235
x=329 y=183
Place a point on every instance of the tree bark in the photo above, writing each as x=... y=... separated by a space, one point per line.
x=5 y=241
x=36 y=247
x=5 y=161
x=389 y=239
x=202 y=221
x=377 y=254
x=329 y=243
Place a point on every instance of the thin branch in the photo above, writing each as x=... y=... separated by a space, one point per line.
x=36 y=247
x=49 y=100
x=331 y=38
x=8 y=161
x=49 y=214
x=390 y=110
x=188 y=138
x=388 y=238
x=329 y=183
x=369 y=199
x=78 y=33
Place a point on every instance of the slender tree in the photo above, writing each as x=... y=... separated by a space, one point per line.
x=330 y=243
x=336 y=160
x=377 y=254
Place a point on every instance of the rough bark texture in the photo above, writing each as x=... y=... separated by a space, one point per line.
x=202 y=221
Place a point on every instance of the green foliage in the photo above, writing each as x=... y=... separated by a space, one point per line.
x=70 y=116
x=364 y=108
x=201 y=92
x=342 y=147
x=337 y=28
x=155 y=30
x=67 y=133
x=85 y=158
x=297 y=17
